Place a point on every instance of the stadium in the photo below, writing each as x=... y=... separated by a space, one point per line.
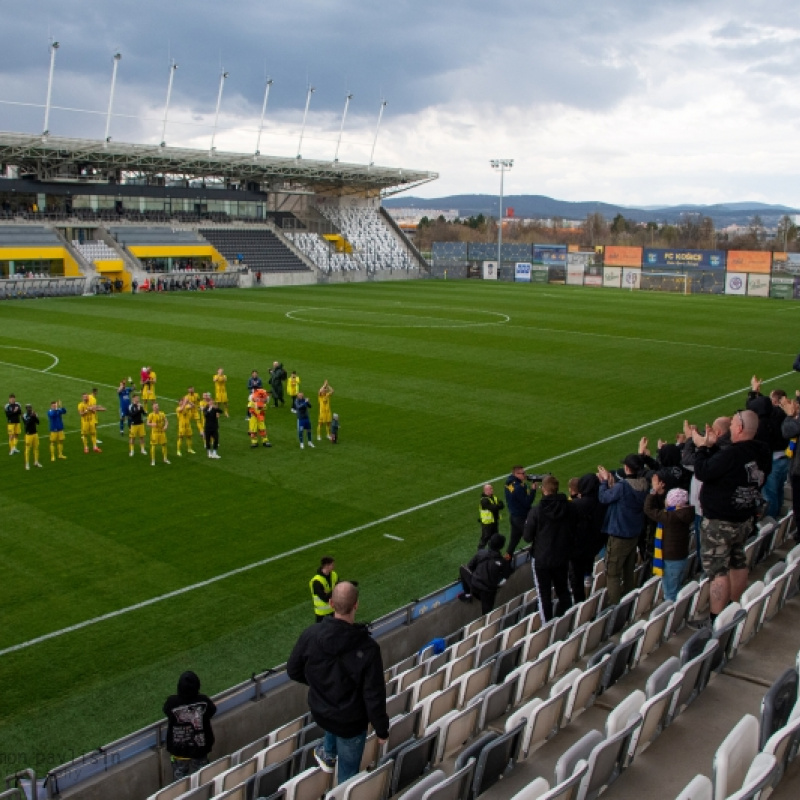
x=119 y=576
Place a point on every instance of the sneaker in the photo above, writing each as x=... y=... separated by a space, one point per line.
x=255 y=444
x=326 y=763
x=311 y=444
x=131 y=454
x=152 y=463
x=191 y=451
x=209 y=454
x=217 y=455
x=267 y=444
x=302 y=445
x=13 y=451
x=52 y=458
x=464 y=597
x=97 y=450
x=27 y=466
x=37 y=464
x=294 y=411
x=63 y=457
x=85 y=449
x=99 y=442
x=143 y=452
x=167 y=461
x=319 y=438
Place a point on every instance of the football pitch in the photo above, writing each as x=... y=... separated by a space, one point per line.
x=117 y=576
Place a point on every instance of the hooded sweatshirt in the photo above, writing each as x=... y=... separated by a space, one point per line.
x=588 y=538
x=342 y=667
x=189 y=713
x=549 y=528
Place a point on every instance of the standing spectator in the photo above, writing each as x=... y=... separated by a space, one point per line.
x=55 y=419
x=485 y=574
x=674 y=517
x=301 y=406
x=587 y=537
x=211 y=414
x=519 y=498
x=293 y=389
x=732 y=479
x=489 y=508
x=549 y=528
x=13 y=416
x=277 y=375
x=124 y=391
x=136 y=415
x=221 y=390
x=791 y=430
x=158 y=423
x=30 y=422
x=623 y=523
x=342 y=667
x=190 y=737
x=324 y=418
x=322 y=585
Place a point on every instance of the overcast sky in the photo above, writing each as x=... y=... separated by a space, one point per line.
x=636 y=102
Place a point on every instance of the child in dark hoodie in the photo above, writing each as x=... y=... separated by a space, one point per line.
x=189 y=734
x=550 y=528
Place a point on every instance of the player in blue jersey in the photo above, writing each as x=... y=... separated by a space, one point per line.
x=55 y=418
x=124 y=392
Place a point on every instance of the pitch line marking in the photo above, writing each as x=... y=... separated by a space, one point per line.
x=30 y=350
x=503 y=318
x=366 y=526
x=396 y=538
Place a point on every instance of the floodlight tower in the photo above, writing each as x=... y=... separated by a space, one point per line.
x=263 y=114
x=117 y=57
x=311 y=91
x=172 y=67
x=341 y=129
x=53 y=47
x=375 y=141
x=222 y=78
x=501 y=164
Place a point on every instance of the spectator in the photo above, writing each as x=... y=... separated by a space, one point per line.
x=674 y=517
x=519 y=498
x=322 y=585
x=587 y=536
x=791 y=429
x=190 y=737
x=277 y=375
x=489 y=508
x=485 y=574
x=550 y=528
x=342 y=667
x=623 y=523
x=730 y=496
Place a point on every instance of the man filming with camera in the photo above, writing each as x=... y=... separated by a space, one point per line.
x=520 y=494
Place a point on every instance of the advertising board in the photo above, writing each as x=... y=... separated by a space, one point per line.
x=522 y=272
x=749 y=261
x=612 y=277
x=620 y=256
x=550 y=254
x=661 y=258
x=757 y=284
x=736 y=283
x=490 y=270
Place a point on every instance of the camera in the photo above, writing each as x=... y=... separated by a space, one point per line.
x=538 y=478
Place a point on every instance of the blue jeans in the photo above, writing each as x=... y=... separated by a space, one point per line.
x=672 y=578
x=348 y=752
x=773 y=486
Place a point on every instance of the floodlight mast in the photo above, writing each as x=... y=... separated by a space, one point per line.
x=117 y=57
x=377 y=129
x=501 y=164
x=311 y=91
x=263 y=114
x=53 y=47
x=172 y=67
x=222 y=78
x=341 y=129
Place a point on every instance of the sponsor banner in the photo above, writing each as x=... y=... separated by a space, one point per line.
x=781 y=288
x=540 y=273
x=749 y=261
x=736 y=283
x=575 y=275
x=593 y=280
x=758 y=284
x=618 y=256
x=550 y=254
x=631 y=278
x=612 y=277
x=583 y=259
x=680 y=260
x=490 y=270
x=522 y=271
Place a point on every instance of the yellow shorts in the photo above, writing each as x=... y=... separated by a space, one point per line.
x=14 y=428
x=56 y=436
x=88 y=429
x=158 y=437
x=220 y=396
x=137 y=430
x=31 y=439
x=184 y=429
x=148 y=393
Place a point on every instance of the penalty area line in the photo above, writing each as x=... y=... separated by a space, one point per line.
x=359 y=528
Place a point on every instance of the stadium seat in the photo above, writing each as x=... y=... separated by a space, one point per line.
x=760 y=775
x=621 y=615
x=536 y=643
x=456 y=787
x=565 y=654
x=459 y=667
x=454 y=729
x=567 y=789
x=655 y=717
x=777 y=705
x=173 y=791
x=516 y=633
x=496 y=760
x=373 y=785
x=695 y=644
x=584 y=691
x=661 y=676
x=496 y=701
x=535 y=790
x=562 y=626
x=783 y=744
x=626 y=710
x=434 y=707
x=210 y=771
x=683 y=606
x=776 y=588
x=695 y=677
x=587 y=610
x=752 y=602
x=724 y=631
x=474 y=682
x=620 y=660
x=417 y=791
x=267 y=781
x=487 y=650
x=310 y=784
x=734 y=756
x=699 y=788
x=544 y=719
x=595 y=632
x=701 y=603
x=235 y=776
x=427 y=686
x=645 y=598
x=532 y=677
x=397 y=704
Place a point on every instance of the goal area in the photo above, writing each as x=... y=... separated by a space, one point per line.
x=678 y=282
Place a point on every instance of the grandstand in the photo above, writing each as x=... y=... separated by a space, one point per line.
x=633 y=700
x=163 y=209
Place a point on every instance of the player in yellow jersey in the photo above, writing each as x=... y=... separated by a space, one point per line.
x=256 y=408
x=324 y=397
x=149 y=388
x=87 y=410
x=221 y=390
x=13 y=415
x=93 y=402
x=184 y=412
x=30 y=422
x=194 y=398
x=293 y=389
x=158 y=423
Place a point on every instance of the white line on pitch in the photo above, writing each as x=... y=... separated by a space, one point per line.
x=366 y=526
x=396 y=538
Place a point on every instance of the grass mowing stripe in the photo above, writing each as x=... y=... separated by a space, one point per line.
x=366 y=526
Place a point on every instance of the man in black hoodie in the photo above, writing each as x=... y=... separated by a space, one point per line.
x=485 y=574
x=189 y=734
x=550 y=528
x=342 y=667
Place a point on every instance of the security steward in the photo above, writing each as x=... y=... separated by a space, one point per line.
x=321 y=586
x=489 y=510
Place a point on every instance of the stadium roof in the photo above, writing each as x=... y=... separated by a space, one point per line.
x=51 y=158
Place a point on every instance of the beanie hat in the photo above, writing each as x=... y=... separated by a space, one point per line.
x=677 y=498
x=497 y=541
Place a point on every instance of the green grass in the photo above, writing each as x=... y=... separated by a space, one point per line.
x=440 y=386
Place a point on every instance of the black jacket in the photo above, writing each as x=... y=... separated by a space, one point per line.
x=189 y=713
x=587 y=537
x=550 y=528
x=488 y=570
x=342 y=666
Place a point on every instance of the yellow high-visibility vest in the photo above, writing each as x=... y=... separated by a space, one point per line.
x=321 y=608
